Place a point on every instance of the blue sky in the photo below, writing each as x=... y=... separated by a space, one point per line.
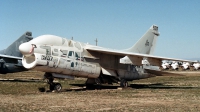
x=117 y=24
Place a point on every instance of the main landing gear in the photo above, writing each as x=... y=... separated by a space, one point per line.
x=52 y=86
x=123 y=83
x=96 y=83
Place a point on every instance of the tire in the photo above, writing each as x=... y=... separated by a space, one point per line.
x=97 y=81
x=58 y=87
x=123 y=83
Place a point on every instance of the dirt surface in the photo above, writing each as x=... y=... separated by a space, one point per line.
x=158 y=94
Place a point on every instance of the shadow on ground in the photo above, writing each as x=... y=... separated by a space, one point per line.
x=160 y=86
x=82 y=87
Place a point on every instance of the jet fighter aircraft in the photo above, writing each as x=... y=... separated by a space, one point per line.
x=11 y=57
x=185 y=66
x=196 y=66
x=63 y=58
x=165 y=65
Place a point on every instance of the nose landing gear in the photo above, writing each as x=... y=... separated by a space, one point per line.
x=52 y=86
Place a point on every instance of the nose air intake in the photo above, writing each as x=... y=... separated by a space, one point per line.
x=29 y=58
x=29 y=62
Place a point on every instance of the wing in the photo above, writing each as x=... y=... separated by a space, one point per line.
x=12 y=57
x=134 y=58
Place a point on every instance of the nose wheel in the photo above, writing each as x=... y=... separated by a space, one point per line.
x=52 y=86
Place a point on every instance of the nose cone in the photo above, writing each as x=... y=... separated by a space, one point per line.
x=25 y=48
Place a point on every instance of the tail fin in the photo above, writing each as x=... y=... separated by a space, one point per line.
x=13 y=49
x=146 y=44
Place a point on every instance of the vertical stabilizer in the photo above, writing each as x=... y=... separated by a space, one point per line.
x=13 y=49
x=146 y=44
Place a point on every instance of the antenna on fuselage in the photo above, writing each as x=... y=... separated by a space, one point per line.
x=72 y=38
x=96 y=41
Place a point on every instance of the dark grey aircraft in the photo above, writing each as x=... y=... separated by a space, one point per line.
x=11 y=57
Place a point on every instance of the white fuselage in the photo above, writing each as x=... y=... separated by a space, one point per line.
x=55 y=57
x=54 y=54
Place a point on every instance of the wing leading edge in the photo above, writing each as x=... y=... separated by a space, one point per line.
x=153 y=60
x=8 y=56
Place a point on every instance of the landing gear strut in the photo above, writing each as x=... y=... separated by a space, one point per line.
x=52 y=86
x=123 y=83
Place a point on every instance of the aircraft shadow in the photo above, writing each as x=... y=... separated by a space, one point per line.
x=83 y=87
x=160 y=86
x=132 y=86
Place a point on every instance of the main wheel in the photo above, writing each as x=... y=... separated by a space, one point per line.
x=98 y=81
x=123 y=83
x=57 y=87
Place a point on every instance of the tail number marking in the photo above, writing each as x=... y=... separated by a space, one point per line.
x=46 y=57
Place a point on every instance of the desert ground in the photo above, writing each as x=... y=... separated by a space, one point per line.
x=26 y=91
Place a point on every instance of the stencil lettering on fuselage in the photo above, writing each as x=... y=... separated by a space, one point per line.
x=68 y=60
x=46 y=57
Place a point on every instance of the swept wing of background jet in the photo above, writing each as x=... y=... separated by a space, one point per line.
x=11 y=57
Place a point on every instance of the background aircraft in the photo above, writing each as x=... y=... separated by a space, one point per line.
x=196 y=66
x=63 y=58
x=185 y=66
x=179 y=66
x=10 y=58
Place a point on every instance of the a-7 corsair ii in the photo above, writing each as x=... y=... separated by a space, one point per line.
x=63 y=58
